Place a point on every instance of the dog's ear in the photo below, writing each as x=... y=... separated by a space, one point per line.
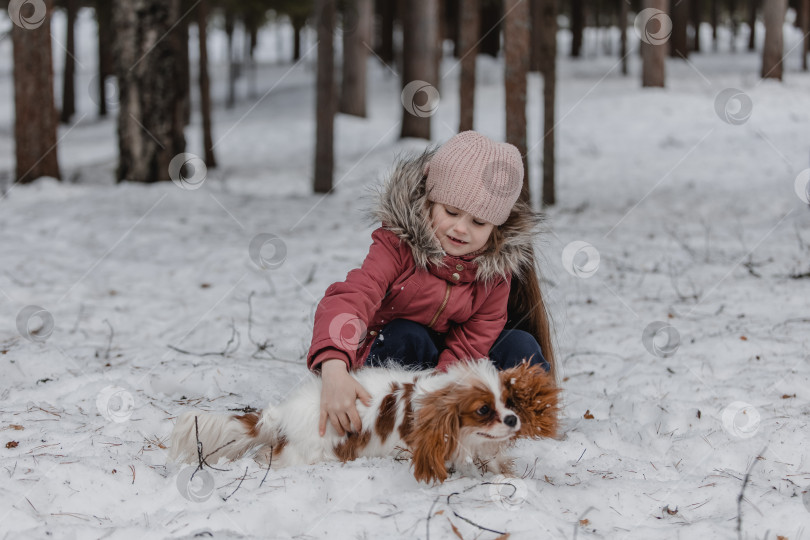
x=534 y=396
x=434 y=437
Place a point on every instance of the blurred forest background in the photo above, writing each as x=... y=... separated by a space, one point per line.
x=145 y=76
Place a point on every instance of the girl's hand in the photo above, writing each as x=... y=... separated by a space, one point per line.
x=338 y=398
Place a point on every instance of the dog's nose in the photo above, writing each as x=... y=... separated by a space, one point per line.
x=510 y=420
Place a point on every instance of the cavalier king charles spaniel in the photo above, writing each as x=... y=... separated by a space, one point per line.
x=465 y=416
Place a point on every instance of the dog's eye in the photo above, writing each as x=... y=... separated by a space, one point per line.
x=484 y=410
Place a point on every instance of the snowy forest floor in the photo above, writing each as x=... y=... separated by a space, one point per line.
x=697 y=223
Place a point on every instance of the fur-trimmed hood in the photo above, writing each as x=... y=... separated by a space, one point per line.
x=402 y=207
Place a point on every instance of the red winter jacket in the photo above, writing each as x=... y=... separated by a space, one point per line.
x=406 y=275
x=390 y=286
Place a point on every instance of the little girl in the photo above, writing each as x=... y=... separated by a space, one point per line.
x=451 y=267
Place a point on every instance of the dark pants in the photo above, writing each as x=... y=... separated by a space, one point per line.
x=414 y=345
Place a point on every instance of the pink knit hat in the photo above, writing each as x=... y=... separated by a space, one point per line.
x=475 y=174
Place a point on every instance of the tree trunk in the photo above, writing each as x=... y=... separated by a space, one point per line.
x=773 y=13
x=752 y=24
x=490 y=31
x=678 y=42
x=326 y=97
x=69 y=73
x=106 y=42
x=516 y=39
x=469 y=23
x=549 y=65
x=537 y=35
x=653 y=57
x=734 y=23
x=623 y=35
x=230 y=23
x=150 y=122
x=420 y=66
x=298 y=23
x=805 y=25
x=577 y=26
x=696 y=17
x=35 y=120
x=713 y=20
x=183 y=67
x=249 y=20
x=385 y=49
x=356 y=36
x=205 y=85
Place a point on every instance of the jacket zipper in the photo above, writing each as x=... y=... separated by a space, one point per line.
x=441 y=307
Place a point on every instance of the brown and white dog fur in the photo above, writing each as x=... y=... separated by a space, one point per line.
x=466 y=416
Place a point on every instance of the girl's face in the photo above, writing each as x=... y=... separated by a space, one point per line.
x=458 y=232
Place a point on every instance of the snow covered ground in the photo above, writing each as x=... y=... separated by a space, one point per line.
x=684 y=349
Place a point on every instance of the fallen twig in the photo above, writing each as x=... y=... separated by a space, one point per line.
x=469 y=520
x=200 y=456
x=270 y=462
x=224 y=352
x=238 y=486
x=742 y=493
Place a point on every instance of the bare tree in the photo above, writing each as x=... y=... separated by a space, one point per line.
x=35 y=120
x=752 y=23
x=420 y=64
x=357 y=18
x=773 y=13
x=516 y=40
x=69 y=73
x=805 y=24
x=105 y=51
x=469 y=24
x=326 y=97
x=679 y=43
x=205 y=84
x=385 y=46
x=150 y=121
x=490 y=38
x=233 y=66
x=548 y=23
x=623 y=35
x=653 y=52
x=577 y=26
x=696 y=16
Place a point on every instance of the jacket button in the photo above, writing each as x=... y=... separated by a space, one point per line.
x=459 y=267
x=455 y=276
x=373 y=332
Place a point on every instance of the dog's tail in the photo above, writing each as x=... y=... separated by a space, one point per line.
x=214 y=436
